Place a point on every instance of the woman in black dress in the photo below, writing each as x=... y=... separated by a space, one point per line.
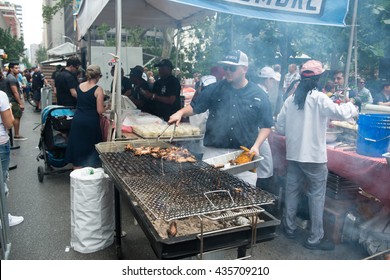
x=85 y=131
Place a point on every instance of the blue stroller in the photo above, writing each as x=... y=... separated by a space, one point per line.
x=56 y=122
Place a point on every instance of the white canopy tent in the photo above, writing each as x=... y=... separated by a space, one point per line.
x=62 y=50
x=146 y=13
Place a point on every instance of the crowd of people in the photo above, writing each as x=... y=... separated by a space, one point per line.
x=238 y=107
x=159 y=97
x=239 y=113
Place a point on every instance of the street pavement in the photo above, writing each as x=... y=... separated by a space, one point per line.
x=45 y=232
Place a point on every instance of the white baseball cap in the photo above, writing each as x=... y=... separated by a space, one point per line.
x=235 y=58
x=268 y=72
x=207 y=80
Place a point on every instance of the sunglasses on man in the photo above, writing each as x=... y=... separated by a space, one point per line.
x=231 y=68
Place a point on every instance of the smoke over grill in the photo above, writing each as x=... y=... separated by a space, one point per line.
x=170 y=190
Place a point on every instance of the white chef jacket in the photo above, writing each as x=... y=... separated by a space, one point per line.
x=305 y=130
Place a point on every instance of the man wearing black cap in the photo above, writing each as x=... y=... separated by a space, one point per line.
x=139 y=83
x=125 y=82
x=164 y=100
x=239 y=112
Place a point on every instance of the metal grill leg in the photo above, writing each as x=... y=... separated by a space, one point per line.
x=241 y=252
x=118 y=226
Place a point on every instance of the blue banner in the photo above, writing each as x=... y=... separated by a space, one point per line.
x=319 y=12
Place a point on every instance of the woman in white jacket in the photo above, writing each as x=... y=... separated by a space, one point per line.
x=303 y=120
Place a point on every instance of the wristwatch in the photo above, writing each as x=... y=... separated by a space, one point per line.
x=153 y=96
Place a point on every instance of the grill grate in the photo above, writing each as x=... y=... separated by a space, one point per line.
x=195 y=192
x=170 y=190
x=126 y=164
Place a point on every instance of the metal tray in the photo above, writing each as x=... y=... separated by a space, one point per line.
x=234 y=169
x=167 y=135
x=175 y=138
x=189 y=245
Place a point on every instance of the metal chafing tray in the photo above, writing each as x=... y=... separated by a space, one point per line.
x=177 y=137
x=234 y=169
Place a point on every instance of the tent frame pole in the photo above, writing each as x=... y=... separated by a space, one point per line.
x=118 y=91
x=350 y=47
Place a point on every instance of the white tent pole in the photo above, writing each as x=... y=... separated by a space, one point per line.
x=89 y=47
x=356 y=56
x=118 y=95
x=178 y=46
x=351 y=40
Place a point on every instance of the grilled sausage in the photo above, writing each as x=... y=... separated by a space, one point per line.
x=172 y=231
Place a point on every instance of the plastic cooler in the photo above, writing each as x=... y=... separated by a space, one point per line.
x=373 y=134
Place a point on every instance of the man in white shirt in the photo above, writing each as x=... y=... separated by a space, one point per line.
x=291 y=76
x=267 y=83
x=303 y=120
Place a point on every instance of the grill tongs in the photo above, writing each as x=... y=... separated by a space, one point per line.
x=173 y=133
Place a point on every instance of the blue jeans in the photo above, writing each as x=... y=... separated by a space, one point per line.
x=316 y=174
x=5 y=151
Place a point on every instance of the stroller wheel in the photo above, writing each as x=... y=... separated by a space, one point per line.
x=40 y=174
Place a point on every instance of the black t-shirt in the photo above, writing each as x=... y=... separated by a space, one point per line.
x=37 y=80
x=169 y=86
x=136 y=92
x=235 y=115
x=126 y=85
x=65 y=81
x=54 y=74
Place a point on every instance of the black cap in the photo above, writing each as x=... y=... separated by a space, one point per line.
x=137 y=71
x=385 y=84
x=164 y=62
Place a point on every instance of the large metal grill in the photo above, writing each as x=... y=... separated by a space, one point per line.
x=171 y=190
x=195 y=192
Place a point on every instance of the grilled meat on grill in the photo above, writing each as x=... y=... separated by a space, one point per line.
x=172 y=231
x=245 y=157
x=171 y=154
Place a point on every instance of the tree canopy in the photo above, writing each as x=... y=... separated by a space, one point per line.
x=49 y=11
x=266 y=42
x=41 y=54
x=270 y=42
x=12 y=46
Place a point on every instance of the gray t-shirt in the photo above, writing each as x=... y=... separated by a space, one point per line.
x=12 y=81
